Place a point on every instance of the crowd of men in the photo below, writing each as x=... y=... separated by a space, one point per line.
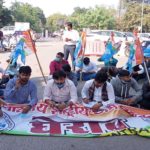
x=103 y=86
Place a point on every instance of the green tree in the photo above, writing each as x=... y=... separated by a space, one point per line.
x=5 y=15
x=97 y=18
x=26 y=13
x=55 y=22
x=78 y=17
x=132 y=17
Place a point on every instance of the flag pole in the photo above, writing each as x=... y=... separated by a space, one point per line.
x=33 y=43
x=83 y=38
x=40 y=68
x=82 y=65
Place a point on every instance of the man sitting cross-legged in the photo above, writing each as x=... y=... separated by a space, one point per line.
x=122 y=85
x=60 y=91
x=19 y=89
x=98 y=91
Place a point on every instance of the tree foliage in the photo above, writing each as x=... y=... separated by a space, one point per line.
x=24 y=12
x=125 y=18
x=133 y=15
x=5 y=15
x=55 y=22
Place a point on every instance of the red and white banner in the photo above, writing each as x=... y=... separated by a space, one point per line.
x=76 y=121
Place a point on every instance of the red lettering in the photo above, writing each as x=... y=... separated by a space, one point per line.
x=74 y=128
x=95 y=127
x=45 y=125
x=116 y=125
x=14 y=108
x=42 y=108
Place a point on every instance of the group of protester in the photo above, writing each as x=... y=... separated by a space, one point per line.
x=103 y=86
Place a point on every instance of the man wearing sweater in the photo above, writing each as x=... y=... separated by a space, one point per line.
x=122 y=85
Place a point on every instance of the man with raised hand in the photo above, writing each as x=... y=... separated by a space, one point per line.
x=19 y=89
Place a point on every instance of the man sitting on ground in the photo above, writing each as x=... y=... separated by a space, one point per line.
x=138 y=72
x=122 y=85
x=70 y=75
x=98 y=91
x=60 y=91
x=88 y=71
x=20 y=88
x=111 y=72
x=57 y=63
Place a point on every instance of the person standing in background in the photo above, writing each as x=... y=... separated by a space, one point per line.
x=70 y=38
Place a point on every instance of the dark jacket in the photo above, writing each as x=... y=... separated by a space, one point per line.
x=146 y=91
x=145 y=103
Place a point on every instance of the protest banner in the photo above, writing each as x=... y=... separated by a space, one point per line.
x=75 y=121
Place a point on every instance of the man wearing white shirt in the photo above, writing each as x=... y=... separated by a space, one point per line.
x=99 y=91
x=88 y=71
x=60 y=91
x=70 y=38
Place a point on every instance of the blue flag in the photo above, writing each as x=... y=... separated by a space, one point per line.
x=146 y=51
x=19 y=51
x=78 y=55
x=131 y=58
x=109 y=52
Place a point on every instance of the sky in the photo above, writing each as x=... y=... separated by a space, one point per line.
x=64 y=6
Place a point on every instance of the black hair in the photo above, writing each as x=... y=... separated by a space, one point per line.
x=59 y=74
x=123 y=73
x=66 y=68
x=69 y=24
x=101 y=77
x=60 y=54
x=25 y=70
x=86 y=60
x=110 y=70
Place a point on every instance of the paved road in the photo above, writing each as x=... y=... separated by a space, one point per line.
x=46 y=52
x=64 y=143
